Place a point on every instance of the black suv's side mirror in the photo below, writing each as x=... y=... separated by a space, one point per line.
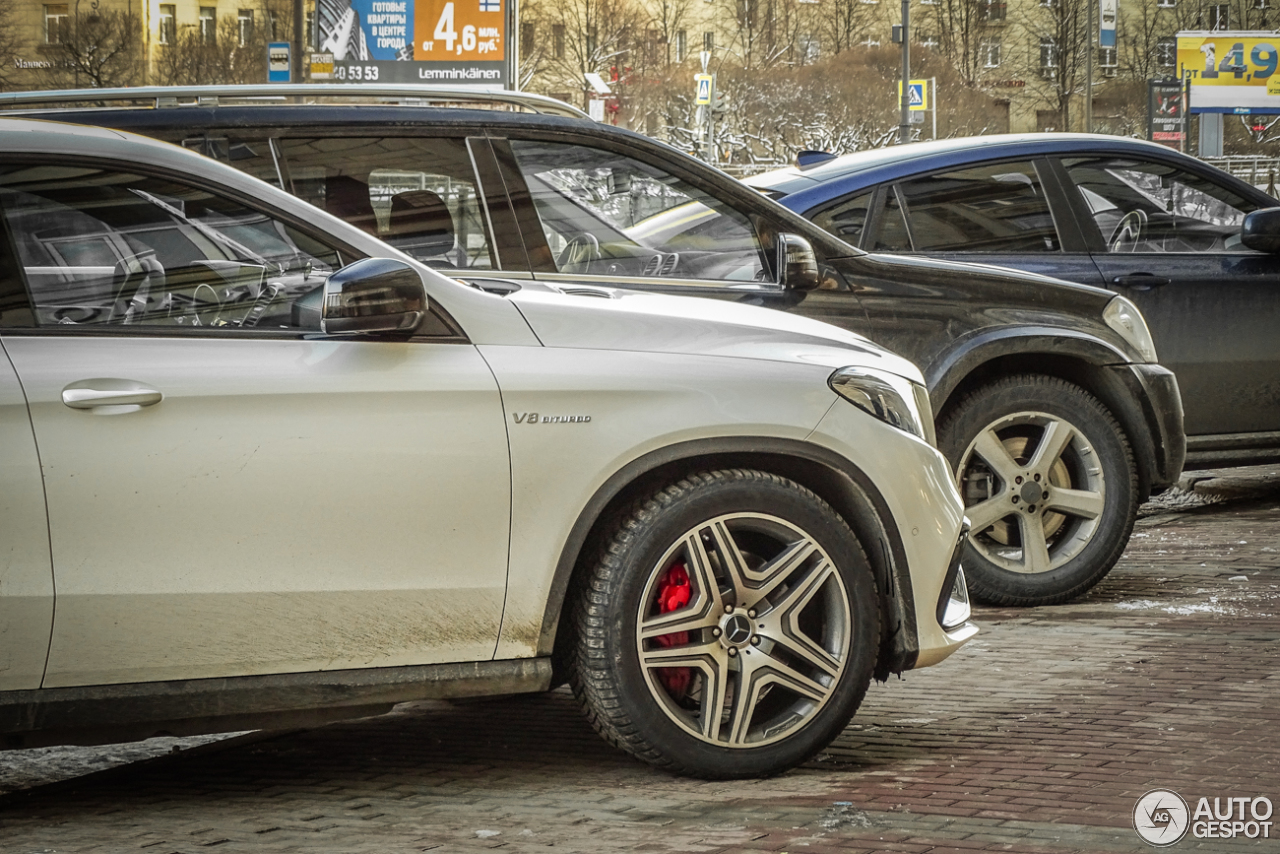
x=373 y=295
x=1261 y=230
x=797 y=263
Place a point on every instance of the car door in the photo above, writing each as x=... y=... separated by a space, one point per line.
x=1006 y=213
x=26 y=571
x=231 y=492
x=1169 y=239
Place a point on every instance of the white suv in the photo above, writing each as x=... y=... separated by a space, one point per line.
x=271 y=470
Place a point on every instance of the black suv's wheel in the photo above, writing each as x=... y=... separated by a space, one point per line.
x=1049 y=485
x=729 y=628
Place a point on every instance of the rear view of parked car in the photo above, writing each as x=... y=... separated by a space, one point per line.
x=262 y=468
x=1047 y=394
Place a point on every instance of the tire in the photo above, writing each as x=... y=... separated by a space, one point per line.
x=1077 y=526
x=796 y=603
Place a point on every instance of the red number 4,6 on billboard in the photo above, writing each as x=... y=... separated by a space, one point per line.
x=459 y=30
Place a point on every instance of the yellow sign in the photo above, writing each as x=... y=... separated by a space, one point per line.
x=321 y=66
x=1231 y=71
x=918 y=95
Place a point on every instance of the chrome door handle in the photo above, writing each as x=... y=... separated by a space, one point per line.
x=88 y=394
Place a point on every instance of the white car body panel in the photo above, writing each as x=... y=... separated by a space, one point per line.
x=26 y=569
x=361 y=522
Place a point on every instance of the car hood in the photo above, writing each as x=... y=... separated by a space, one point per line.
x=611 y=319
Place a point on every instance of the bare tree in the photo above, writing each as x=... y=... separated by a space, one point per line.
x=1146 y=34
x=99 y=48
x=1059 y=33
x=847 y=24
x=588 y=36
x=8 y=41
x=766 y=32
x=961 y=27
x=235 y=53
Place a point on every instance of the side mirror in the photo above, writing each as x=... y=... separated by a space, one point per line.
x=797 y=263
x=1261 y=230
x=373 y=295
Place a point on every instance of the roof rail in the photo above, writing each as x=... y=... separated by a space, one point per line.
x=406 y=94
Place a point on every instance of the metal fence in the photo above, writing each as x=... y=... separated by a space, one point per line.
x=1258 y=171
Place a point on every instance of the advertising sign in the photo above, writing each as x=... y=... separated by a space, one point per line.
x=1164 y=113
x=416 y=41
x=1231 y=72
x=1107 y=23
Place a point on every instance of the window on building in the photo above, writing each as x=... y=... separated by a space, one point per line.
x=709 y=41
x=57 y=23
x=993 y=10
x=1262 y=4
x=1048 y=58
x=1048 y=3
x=557 y=41
x=811 y=47
x=682 y=45
x=927 y=39
x=244 y=18
x=990 y=53
x=1167 y=52
x=1219 y=17
x=527 y=38
x=1166 y=4
x=273 y=27
x=1107 y=61
x=209 y=24
x=168 y=24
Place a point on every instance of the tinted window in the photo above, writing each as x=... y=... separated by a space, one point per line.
x=847 y=219
x=101 y=247
x=605 y=213
x=418 y=194
x=989 y=208
x=1142 y=206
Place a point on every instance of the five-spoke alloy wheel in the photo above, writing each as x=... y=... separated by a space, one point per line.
x=1049 y=486
x=729 y=629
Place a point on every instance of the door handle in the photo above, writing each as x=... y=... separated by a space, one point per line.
x=89 y=394
x=1141 y=281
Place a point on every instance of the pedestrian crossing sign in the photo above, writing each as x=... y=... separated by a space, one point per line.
x=706 y=82
x=917 y=94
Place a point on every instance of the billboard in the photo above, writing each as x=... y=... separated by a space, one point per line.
x=416 y=41
x=1231 y=72
x=1165 y=122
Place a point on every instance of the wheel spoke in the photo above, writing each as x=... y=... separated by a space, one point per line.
x=709 y=600
x=731 y=559
x=758 y=672
x=1057 y=435
x=683 y=620
x=984 y=514
x=678 y=656
x=715 y=693
x=1075 y=502
x=1035 y=549
x=790 y=561
x=990 y=448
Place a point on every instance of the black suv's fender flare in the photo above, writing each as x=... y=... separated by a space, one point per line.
x=1075 y=356
x=832 y=477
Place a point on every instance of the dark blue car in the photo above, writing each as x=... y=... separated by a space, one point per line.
x=1159 y=227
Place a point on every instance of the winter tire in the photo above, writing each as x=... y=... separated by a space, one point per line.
x=1049 y=486
x=729 y=627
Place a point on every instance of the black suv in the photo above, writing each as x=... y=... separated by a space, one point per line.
x=1047 y=397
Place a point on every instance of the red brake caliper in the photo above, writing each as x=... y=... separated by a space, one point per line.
x=674 y=594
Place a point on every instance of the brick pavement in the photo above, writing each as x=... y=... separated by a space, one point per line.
x=1037 y=737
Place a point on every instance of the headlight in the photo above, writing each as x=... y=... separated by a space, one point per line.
x=893 y=399
x=1125 y=318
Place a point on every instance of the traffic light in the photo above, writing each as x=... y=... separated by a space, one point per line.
x=719 y=102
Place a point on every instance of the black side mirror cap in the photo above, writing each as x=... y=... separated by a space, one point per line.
x=373 y=295
x=1261 y=230
x=797 y=263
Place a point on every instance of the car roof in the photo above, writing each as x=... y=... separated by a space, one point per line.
x=864 y=168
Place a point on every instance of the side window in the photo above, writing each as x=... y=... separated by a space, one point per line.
x=608 y=214
x=892 y=233
x=1142 y=206
x=107 y=248
x=847 y=219
x=420 y=195
x=998 y=207
x=248 y=155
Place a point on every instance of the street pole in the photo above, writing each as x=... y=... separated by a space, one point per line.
x=904 y=127
x=1088 y=86
x=933 y=97
x=298 y=36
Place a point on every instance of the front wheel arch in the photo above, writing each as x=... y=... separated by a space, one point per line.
x=847 y=489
